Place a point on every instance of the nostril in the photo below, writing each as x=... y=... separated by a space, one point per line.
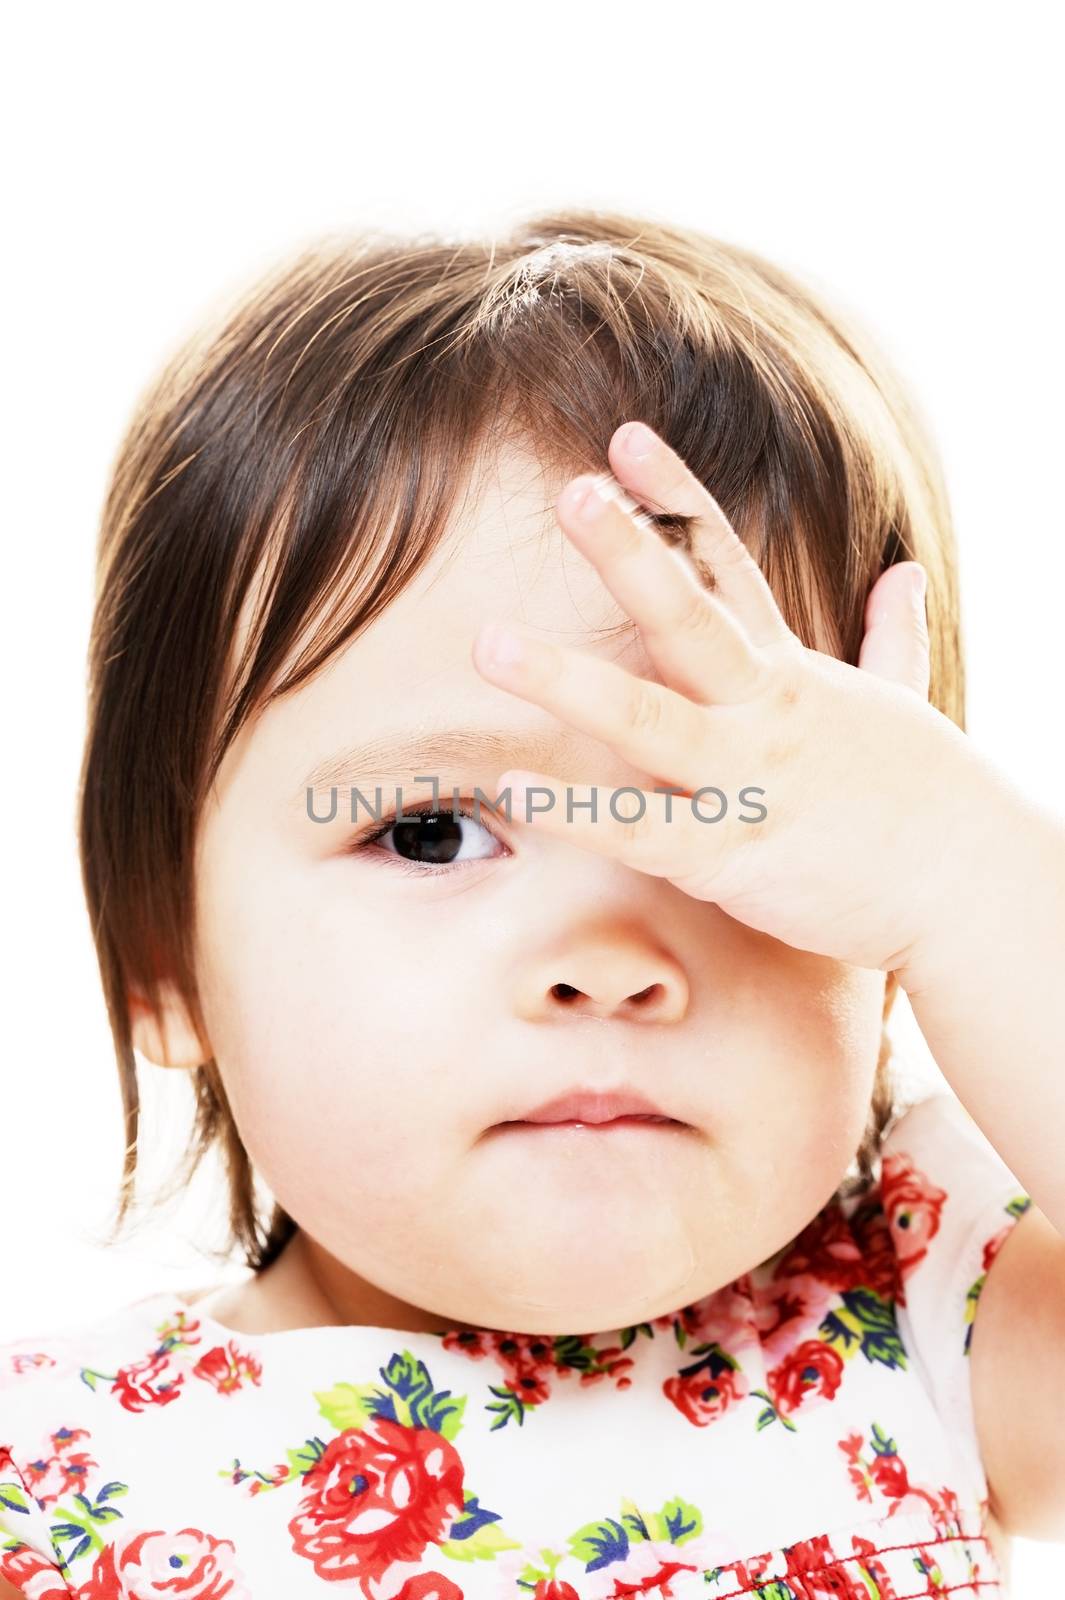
x=566 y=992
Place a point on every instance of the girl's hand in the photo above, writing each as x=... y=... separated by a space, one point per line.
x=864 y=784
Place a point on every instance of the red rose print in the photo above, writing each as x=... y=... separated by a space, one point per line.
x=826 y=1250
x=725 y=1317
x=878 y=1251
x=822 y=1574
x=227 y=1367
x=889 y=1474
x=531 y=1362
x=885 y=1469
x=610 y=1364
x=527 y=1381
x=702 y=1395
x=61 y=1469
x=377 y=1495
x=149 y=1382
x=790 y=1312
x=33 y=1575
x=430 y=1586
x=752 y=1572
x=474 y=1344
x=813 y=1369
x=140 y=1566
x=688 y=1319
x=16 y=1364
x=912 y=1206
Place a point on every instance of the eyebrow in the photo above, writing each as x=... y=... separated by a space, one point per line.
x=394 y=759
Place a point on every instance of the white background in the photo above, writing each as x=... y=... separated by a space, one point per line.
x=901 y=157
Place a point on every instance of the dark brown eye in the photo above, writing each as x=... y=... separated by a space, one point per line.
x=430 y=838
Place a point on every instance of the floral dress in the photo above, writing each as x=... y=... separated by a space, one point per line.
x=804 y=1432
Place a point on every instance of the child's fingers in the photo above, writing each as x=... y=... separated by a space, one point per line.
x=649 y=725
x=659 y=479
x=895 y=645
x=693 y=637
x=659 y=834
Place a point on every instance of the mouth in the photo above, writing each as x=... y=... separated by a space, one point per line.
x=595 y=1109
x=603 y=1125
x=597 y=1106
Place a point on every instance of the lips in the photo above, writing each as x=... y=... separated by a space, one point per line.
x=597 y=1106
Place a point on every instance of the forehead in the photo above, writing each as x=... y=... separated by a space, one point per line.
x=503 y=556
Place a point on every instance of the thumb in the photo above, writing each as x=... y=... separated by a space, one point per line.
x=895 y=643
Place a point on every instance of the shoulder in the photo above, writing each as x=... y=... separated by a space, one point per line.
x=981 y=1294
x=66 y=1395
x=949 y=1201
x=40 y=1372
x=942 y=1182
x=47 y=1374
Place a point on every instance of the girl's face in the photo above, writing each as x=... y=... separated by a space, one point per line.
x=376 y=1021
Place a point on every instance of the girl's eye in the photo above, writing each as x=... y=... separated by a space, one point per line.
x=426 y=840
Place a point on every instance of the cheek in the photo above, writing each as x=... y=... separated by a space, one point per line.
x=343 y=1040
x=803 y=1109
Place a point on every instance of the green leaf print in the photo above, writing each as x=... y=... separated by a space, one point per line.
x=510 y=1406
x=771 y=1414
x=408 y=1397
x=81 y=1527
x=932 y=1572
x=308 y=1455
x=679 y=1521
x=570 y=1350
x=476 y=1534
x=718 y=1359
x=597 y=1544
x=347 y=1405
x=771 y=1589
x=13 y=1496
x=1016 y=1208
x=864 y=1321
x=628 y=1335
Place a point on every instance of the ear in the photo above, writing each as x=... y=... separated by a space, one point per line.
x=166 y=1035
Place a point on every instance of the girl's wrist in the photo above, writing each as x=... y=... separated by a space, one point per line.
x=1002 y=885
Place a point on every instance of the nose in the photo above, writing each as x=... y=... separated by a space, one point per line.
x=626 y=979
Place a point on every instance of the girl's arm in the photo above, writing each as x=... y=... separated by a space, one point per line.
x=987 y=984
x=987 y=987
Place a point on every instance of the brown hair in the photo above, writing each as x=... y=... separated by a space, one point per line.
x=304 y=452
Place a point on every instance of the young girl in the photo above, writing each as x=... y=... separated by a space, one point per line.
x=603 y=1259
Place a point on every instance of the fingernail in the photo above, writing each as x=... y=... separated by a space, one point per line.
x=588 y=502
x=605 y=488
x=637 y=441
x=499 y=647
x=919 y=582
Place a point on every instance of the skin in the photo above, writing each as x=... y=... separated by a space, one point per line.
x=373 y=1027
